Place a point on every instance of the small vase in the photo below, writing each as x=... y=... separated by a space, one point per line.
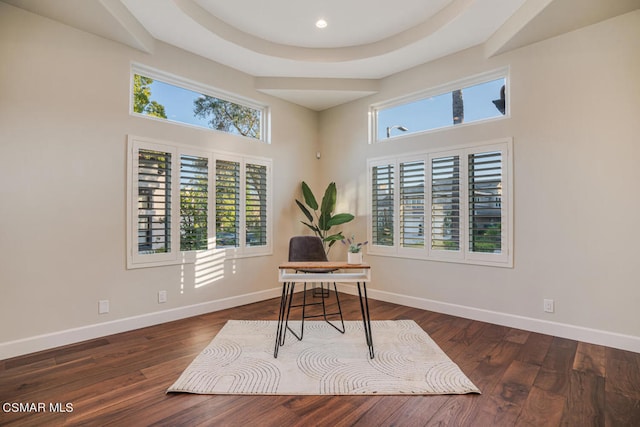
x=354 y=257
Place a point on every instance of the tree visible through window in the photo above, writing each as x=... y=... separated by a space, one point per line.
x=175 y=102
x=228 y=117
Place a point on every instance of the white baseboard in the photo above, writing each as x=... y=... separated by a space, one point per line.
x=71 y=336
x=563 y=330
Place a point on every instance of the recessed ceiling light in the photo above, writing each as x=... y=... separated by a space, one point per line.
x=321 y=23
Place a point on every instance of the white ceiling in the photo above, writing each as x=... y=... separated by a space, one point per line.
x=365 y=40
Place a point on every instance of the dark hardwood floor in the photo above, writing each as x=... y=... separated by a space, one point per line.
x=526 y=379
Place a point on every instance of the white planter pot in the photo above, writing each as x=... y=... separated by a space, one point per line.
x=354 y=258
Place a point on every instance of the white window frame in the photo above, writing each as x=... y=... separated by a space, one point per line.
x=435 y=91
x=243 y=250
x=464 y=255
x=184 y=83
x=175 y=255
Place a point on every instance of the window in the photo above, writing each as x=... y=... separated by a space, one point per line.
x=466 y=193
x=242 y=191
x=472 y=100
x=171 y=204
x=165 y=97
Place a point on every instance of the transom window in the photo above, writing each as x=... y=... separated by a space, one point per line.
x=452 y=205
x=472 y=100
x=165 y=97
x=181 y=201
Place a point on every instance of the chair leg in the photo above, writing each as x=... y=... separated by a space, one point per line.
x=322 y=293
x=324 y=311
x=303 y=305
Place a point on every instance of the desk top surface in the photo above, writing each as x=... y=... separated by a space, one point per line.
x=300 y=265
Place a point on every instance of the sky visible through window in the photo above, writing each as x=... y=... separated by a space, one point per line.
x=424 y=114
x=437 y=112
x=178 y=103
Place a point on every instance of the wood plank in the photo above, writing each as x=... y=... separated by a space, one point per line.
x=508 y=396
x=535 y=349
x=555 y=373
x=590 y=359
x=623 y=377
x=518 y=336
x=542 y=408
x=621 y=410
x=586 y=400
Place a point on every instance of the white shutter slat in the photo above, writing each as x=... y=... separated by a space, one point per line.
x=412 y=204
x=256 y=205
x=382 y=205
x=194 y=199
x=485 y=202
x=154 y=201
x=445 y=203
x=227 y=203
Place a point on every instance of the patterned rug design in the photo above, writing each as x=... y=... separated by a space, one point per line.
x=240 y=360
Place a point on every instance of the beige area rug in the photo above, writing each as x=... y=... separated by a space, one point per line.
x=240 y=360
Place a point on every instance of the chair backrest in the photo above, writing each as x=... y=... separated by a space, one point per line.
x=306 y=248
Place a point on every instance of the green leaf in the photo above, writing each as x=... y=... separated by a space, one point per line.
x=329 y=199
x=324 y=220
x=305 y=211
x=340 y=218
x=309 y=198
x=313 y=227
x=334 y=237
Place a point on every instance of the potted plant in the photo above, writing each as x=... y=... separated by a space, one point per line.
x=354 y=254
x=322 y=223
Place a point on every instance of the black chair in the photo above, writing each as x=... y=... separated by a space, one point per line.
x=310 y=248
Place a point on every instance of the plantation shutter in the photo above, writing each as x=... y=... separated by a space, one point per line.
x=445 y=203
x=485 y=202
x=412 y=204
x=194 y=194
x=227 y=203
x=382 y=205
x=154 y=202
x=256 y=204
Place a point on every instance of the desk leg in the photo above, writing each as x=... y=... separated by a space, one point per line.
x=366 y=318
x=283 y=315
x=286 y=320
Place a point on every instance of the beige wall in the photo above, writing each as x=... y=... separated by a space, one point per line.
x=64 y=99
x=575 y=105
x=64 y=121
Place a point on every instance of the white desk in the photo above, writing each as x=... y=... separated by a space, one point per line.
x=289 y=273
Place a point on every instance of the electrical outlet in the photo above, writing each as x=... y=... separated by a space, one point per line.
x=103 y=306
x=549 y=306
x=162 y=297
